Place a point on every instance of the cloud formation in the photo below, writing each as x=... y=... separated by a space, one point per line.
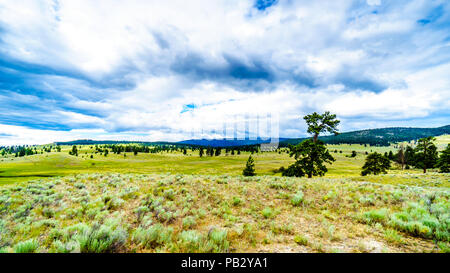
x=159 y=70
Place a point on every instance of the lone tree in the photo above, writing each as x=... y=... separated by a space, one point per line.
x=200 y=153
x=401 y=156
x=426 y=153
x=321 y=123
x=443 y=162
x=249 y=167
x=74 y=151
x=375 y=164
x=311 y=154
x=310 y=158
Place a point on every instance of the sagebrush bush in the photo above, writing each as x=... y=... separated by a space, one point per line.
x=297 y=199
x=190 y=241
x=29 y=246
x=374 y=216
x=236 y=201
x=421 y=219
x=217 y=241
x=392 y=236
x=101 y=239
x=301 y=240
x=69 y=247
x=155 y=235
x=427 y=221
x=189 y=222
x=268 y=212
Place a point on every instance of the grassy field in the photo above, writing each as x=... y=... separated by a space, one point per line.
x=170 y=202
x=53 y=164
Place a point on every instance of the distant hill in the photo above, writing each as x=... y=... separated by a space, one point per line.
x=102 y=142
x=226 y=142
x=191 y=142
x=382 y=136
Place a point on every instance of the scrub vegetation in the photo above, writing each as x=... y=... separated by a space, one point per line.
x=113 y=212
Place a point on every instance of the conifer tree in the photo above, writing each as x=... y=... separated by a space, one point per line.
x=249 y=167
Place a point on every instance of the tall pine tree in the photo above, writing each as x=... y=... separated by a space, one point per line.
x=426 y=153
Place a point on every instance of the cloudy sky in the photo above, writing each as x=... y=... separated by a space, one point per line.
x=160 y=70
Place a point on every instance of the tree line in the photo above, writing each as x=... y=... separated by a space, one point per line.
x=20 y=151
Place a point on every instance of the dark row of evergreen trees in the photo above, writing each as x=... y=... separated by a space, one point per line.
x=140 y=148
x=20 y=151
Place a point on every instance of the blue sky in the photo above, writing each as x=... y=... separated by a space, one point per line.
x=162 y=70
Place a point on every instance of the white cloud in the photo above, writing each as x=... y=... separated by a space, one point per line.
x=374 y=2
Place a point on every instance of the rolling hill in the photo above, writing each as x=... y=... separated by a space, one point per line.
x=381 y=136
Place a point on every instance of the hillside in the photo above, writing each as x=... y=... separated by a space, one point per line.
x=108 y=142
x=227 y=142
x=382 y=136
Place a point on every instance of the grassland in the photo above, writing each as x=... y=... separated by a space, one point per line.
x=53 y=164
x=210 y=213
x=170 y=202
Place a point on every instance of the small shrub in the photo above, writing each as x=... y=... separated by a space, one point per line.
x=236 y=201
x=375 y=216
x=79 y=185
x=267 y=212
x=141 y=211
x=101 y=239
x=29 y=246
x=113 y=203
x=284 y=228
x=190 y=241
x=189 y=222
x=23 y=211
x=48 y=212
x=155 y=235
x=392 y=236
x=301 y=240
x=217 y=241
x=69 y=247
x=297 y=199
x=169 y=194
x=444 y=247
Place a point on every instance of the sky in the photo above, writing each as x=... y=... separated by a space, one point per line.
x=174 y=70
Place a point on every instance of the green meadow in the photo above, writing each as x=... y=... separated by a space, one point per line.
x=17 y=169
